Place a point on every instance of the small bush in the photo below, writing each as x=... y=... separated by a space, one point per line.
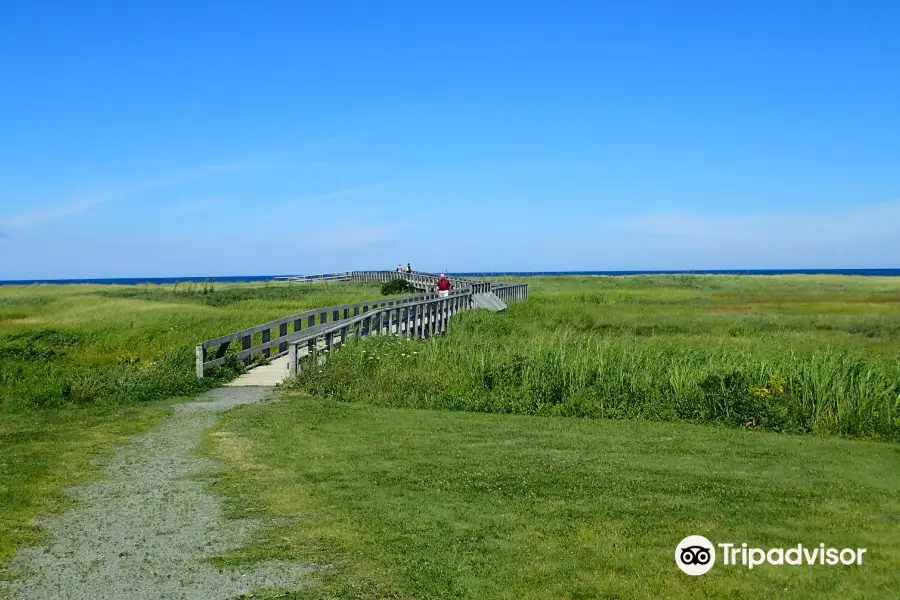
x=397 y=286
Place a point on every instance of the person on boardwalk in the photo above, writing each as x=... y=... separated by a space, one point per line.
x=399 y=268
x=443 y=286
x=408 y=268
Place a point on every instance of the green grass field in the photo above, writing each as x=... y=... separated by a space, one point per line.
x=692 y=387
x=409 y=503
x=82 y=367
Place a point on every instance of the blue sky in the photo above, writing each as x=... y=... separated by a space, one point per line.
x=223 y=138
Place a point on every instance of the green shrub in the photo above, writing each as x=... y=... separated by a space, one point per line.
x=397 y=286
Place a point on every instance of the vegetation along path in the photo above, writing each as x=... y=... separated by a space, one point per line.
x=147 y=530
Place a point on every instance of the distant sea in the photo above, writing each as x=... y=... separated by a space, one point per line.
x=249 y=278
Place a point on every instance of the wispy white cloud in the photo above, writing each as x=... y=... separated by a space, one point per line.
x=345 y=234
x=849 y=222
x=200 y=205
x=115 y=193
x=850 y=235
x=348 y=192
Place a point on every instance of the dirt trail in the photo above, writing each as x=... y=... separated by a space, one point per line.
x=144 y=530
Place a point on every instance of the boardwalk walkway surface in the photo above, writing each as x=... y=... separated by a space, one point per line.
x=147 y=530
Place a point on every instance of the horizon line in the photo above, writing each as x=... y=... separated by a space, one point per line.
x=237 y=278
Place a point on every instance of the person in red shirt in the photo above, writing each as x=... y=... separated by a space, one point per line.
x=443 y=286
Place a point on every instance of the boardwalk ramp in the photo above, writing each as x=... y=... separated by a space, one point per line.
x=488 y=301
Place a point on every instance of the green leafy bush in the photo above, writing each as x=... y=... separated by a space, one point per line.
x=397 y=286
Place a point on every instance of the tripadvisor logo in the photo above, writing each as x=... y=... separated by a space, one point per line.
x=696 y=555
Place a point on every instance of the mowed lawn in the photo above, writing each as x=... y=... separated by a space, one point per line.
x=407 y=503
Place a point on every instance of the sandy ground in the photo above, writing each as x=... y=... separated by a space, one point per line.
x=144 y=531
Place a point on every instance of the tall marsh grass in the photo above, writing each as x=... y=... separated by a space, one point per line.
x=781 y=367
x=826 y=391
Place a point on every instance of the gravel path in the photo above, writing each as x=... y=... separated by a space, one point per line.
x=143 y=531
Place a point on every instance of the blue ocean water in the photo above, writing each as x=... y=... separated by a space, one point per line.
x=864 y=272
x=251 y=278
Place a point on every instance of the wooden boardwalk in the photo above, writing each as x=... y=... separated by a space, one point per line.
x=292 y=343
x=268 y=375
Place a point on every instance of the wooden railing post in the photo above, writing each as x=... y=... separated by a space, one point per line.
x=431 y=319
x=282 y=332
x=437 y=317
x=409 y=309
x=245 y=345
x=293 y=357
x=423 y=317
x=266 y=336
x=201 y=358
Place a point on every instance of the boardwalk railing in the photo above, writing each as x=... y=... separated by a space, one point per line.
x=407 y=315
x=345 y=276
x=419 y=320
